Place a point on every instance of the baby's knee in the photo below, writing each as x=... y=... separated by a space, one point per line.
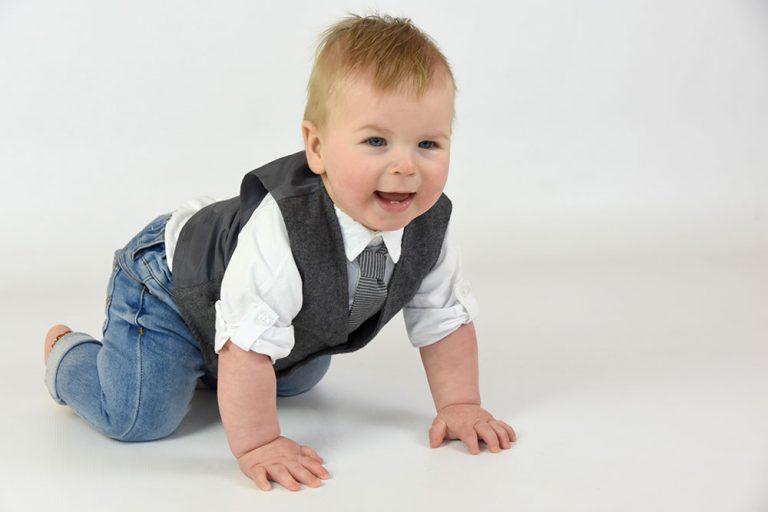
x=145 y=427
x=304 y=378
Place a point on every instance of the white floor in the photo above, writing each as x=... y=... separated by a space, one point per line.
x=632 y=386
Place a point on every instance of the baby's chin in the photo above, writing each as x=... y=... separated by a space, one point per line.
x=388 y=222
x=385 y=226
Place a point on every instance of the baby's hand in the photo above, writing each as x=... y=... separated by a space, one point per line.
x=468 y=423
x=283 y=461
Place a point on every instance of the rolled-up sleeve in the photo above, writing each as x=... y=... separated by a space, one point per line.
x=261 y=288
x=444 y=300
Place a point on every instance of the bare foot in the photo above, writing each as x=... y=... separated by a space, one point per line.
x=52 y=336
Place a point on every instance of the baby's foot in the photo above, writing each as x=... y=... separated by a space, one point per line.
x=53 y=335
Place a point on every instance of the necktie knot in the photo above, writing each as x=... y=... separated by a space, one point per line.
x=373 y=262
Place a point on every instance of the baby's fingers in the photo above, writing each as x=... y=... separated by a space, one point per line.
x=281 y=475
x=302 y=474
x=437 y=433
x=510 y=430
x=309 y=452
x=488 y=435
x=259 y=475
x=503 y=433
x=315 y=467
x=469 y=438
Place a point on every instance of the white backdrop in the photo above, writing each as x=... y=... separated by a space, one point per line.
x=584 y=129
x=628 y=138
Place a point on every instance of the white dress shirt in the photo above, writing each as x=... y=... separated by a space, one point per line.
x=261 y=288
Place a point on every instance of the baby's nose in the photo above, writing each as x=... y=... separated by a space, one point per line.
x=403 y=166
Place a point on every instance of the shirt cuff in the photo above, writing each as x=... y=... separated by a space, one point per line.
x=429 y=325
x=255 y=332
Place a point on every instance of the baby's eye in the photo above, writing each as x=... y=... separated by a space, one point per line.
x=427 y=144
x=375 y=142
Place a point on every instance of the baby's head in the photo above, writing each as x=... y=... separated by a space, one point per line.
x=377 y=125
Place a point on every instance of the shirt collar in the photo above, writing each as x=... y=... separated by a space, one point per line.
x=357 y=237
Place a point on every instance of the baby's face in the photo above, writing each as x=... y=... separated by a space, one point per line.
x=383 y=157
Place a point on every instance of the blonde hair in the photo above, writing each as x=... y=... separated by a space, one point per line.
x=399 y=55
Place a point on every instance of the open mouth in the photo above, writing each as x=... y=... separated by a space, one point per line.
x=394 y=201
x=394 y=197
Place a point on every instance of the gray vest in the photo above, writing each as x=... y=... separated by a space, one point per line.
x=209 y=238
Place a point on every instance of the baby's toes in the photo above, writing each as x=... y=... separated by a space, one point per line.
x=51 y=337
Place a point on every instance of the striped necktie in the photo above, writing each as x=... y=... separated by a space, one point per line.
x=371 y=290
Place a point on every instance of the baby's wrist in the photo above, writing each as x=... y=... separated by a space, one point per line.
x=242 y=445
x=473 y=403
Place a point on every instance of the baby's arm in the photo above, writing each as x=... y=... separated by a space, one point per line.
x=248 y=407
x=453 y=375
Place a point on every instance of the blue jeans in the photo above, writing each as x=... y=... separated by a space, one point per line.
x=137 y=382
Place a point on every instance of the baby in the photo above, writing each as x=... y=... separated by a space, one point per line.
x=253 y=295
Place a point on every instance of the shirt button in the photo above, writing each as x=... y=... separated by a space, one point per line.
x=465 y=290
x=261 y=317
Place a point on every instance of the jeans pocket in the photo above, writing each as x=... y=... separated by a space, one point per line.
x=110 y=293
x=153 y=234
x=139 y=248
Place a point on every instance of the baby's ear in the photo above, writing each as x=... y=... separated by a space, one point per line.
x=311 y=136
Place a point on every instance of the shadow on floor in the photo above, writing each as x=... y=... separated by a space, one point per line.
x=203 y=414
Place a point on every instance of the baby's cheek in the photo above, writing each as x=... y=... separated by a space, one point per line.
x=431 y=195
